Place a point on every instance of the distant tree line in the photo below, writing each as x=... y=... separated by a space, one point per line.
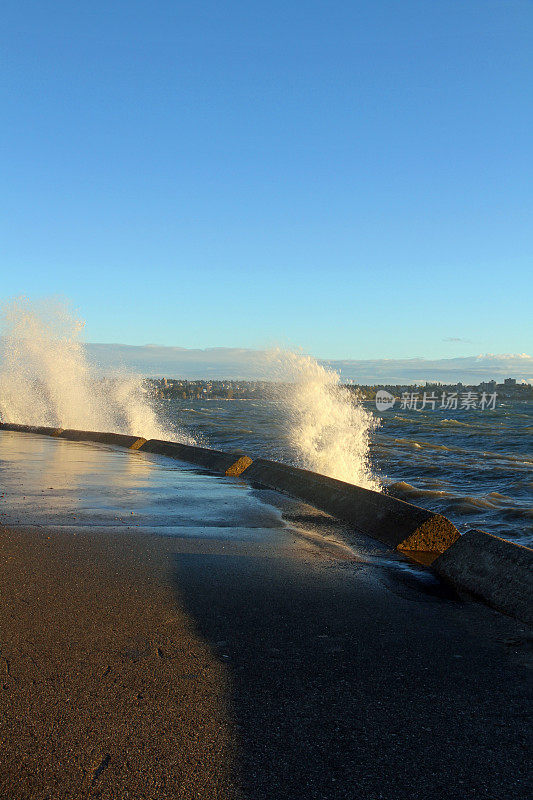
x=241 y=389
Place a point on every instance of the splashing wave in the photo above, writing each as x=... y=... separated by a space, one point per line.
x=46 y=378
x=326 y=426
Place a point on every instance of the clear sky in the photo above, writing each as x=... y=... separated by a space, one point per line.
x=353 y=178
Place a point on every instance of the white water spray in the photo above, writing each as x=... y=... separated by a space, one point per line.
x=327 y=428
x=46 y=378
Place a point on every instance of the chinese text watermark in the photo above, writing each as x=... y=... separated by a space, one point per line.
x=448 y=401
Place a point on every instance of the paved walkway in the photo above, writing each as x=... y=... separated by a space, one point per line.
x=168 y=633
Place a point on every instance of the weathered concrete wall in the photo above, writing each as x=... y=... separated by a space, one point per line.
x=495 y=570
x=216 y=460
x=120 y=439
x=11 y=426
x=394 y=522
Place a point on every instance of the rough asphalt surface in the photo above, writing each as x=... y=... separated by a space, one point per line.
x=242 y=654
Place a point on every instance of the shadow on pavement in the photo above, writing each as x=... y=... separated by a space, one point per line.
x=344 y=689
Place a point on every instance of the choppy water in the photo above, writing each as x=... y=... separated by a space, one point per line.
x=476 y=467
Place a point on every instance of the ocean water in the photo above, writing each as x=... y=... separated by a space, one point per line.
x=475 y=467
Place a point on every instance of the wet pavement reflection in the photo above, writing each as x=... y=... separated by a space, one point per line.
x=62 y=484
x=73 y=486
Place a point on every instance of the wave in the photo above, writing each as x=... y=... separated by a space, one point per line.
x=412 y=444
x=46 y=378
x=403 y=489
x=457 y=505
x=326 y=425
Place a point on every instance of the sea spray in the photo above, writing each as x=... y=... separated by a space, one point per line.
x=327 y=428
x=46 y=378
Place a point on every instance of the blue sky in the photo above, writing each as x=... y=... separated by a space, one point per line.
x=351 y=178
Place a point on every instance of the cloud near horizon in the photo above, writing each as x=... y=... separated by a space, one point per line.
x=239 y=363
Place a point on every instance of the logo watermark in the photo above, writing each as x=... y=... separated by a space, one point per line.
x=384 y=400
x=446 y=401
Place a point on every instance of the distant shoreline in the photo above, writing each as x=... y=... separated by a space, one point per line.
x=251 y=390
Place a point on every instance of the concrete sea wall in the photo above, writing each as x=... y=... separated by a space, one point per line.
x=492 y=569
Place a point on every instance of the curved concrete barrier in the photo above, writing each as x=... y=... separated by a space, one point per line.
x=495 y=570
x=394 y=522
x=232 y=464
x=11 y=426
x=120 y=439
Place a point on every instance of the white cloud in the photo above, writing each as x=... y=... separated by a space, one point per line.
x=221 y=362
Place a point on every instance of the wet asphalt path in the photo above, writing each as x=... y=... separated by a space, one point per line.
x=168 y=633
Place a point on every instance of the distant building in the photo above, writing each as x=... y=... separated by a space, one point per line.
x=509 y=382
